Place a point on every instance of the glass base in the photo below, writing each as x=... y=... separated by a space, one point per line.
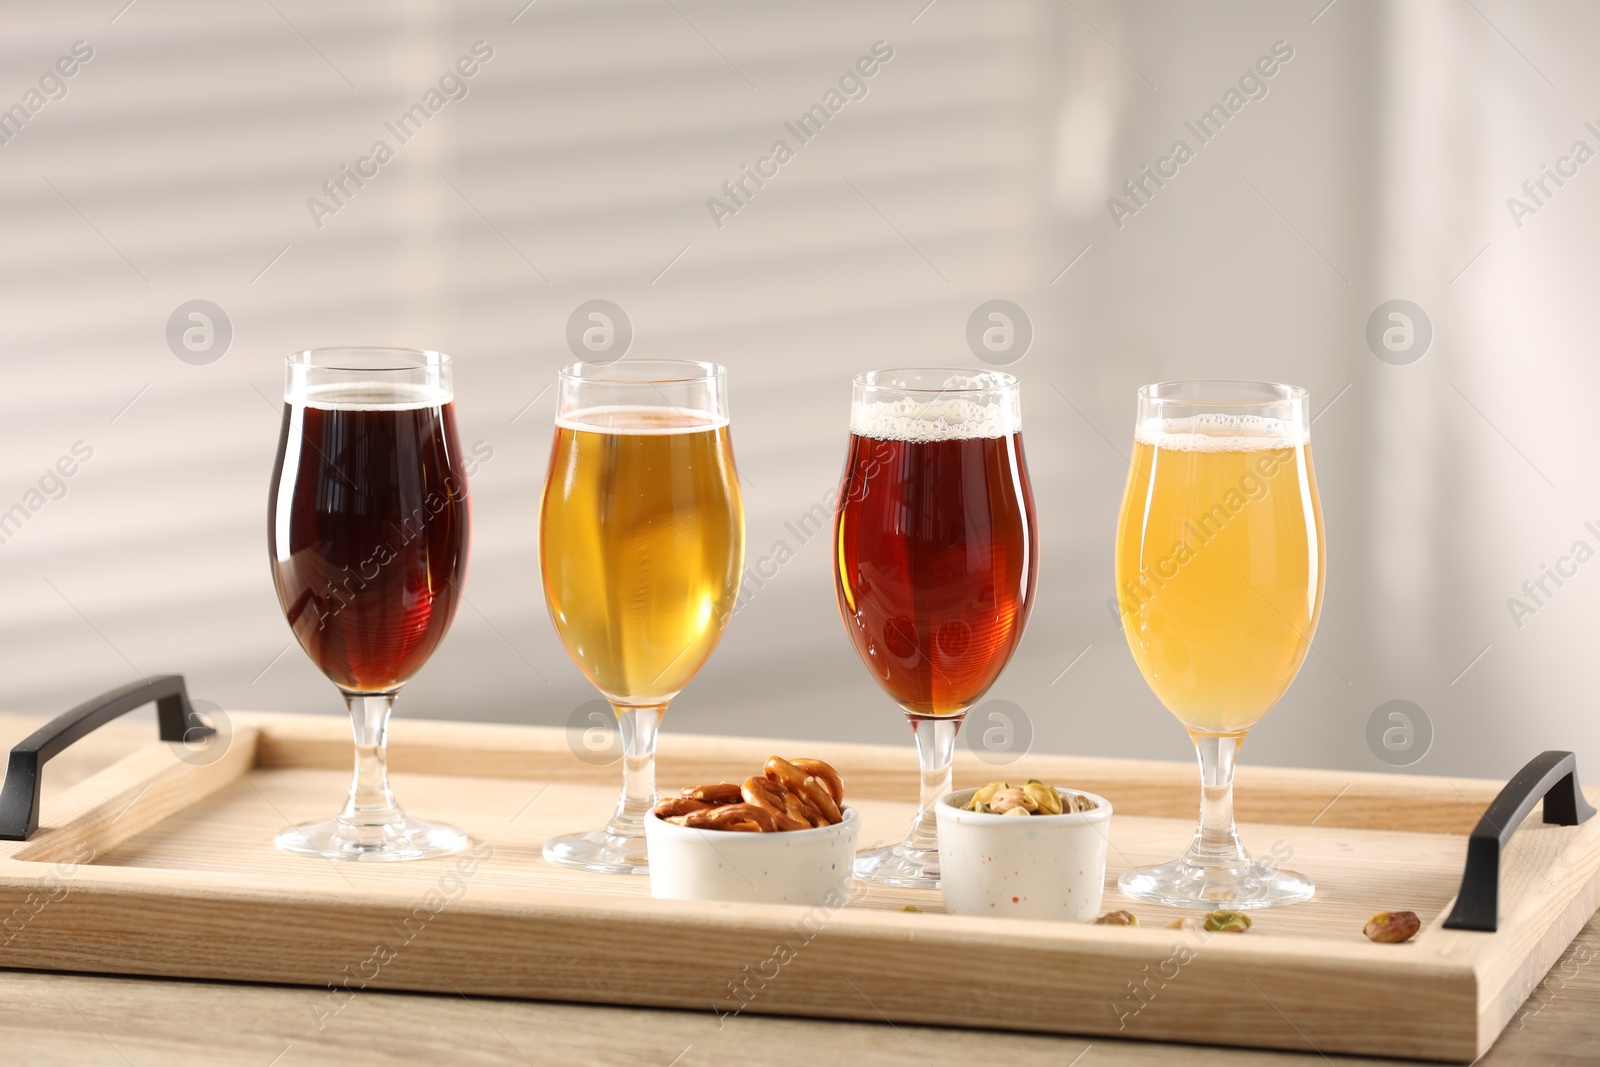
x=408 y=839
x=600 y=851
x=899 y=866
x=1180 y=884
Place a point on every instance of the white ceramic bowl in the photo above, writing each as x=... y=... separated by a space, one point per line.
x=1038 y=867
x=789 y=867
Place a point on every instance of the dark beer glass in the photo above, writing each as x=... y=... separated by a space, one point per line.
x=367 y=529
x=936 y=561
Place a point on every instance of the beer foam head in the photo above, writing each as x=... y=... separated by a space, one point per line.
x=1216 y=432
x=958 y=412
x=370 y=396
x=640 y=419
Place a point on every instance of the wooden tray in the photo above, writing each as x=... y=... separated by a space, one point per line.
x=162 y=866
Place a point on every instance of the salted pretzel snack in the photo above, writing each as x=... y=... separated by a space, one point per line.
x=721 y=793
x=798 y=794
x=677 y=807
x=786 y=809
x=826 y=774
x=745 y=817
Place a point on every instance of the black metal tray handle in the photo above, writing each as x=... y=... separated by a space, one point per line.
x=1551 y=775
x=19 y=798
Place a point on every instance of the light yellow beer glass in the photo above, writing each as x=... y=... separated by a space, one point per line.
x=641 y=544
x=1219 y=583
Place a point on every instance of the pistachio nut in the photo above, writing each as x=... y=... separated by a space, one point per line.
x=1392 y=927
x=1117 y=918
x=1011 y=798
x=984 y=794
x=1227 y=922
x=1046 y=801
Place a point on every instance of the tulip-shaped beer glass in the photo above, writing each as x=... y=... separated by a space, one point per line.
x=1219 y=580
x=641 y=544
x=935 y=561
x=367 y=531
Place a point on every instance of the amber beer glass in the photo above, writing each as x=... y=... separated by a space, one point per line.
x=367 y=532
x=641 y=544
x=1219 y=573
x=936 y=558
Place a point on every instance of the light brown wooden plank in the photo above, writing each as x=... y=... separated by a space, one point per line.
x=74 y=1021
x=65 y=1019
x=162 y=900
x=1143 y=787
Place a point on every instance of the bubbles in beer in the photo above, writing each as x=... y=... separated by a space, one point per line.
x=641 y=419
x=940 y=417
x=1215 y=432
x=371 y=396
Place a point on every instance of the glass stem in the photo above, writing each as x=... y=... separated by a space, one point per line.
x=639 y=726
x=936 y=753
x=371 y=807
x=1216 y=841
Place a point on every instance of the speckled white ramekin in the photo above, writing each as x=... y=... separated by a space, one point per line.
x=1034 y=867
x=789 y=867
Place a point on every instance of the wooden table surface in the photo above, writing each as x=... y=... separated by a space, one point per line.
x=78 y=1020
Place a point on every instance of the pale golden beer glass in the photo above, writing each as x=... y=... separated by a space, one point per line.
x=1219 y=584
x=641 y=544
